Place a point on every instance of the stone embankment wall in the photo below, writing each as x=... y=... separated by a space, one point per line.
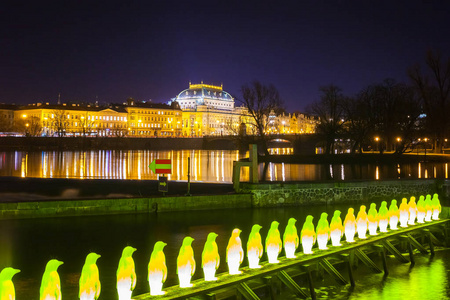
x=292 y=194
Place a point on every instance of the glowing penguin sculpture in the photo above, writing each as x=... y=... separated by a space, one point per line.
x=412 y=210
x=336 y=228
x=210 y=257
x=89 y=281
x=404 y=213
x=273 y=243
x=235 y=253
x=421 y=210
x=186 y=263
x=323 y=232
x=254 y=247
x=126 y=274
x=350 y=226
x=436 y=207
x=157 y=269
x=7 y=291
x=428 y=209
x=290 y=238
x=308 y=235
x=372 y=218
x=393 y=215
x=362 y=222
x=51 y=284
x=383 y=217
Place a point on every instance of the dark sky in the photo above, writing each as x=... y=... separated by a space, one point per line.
x=152 y=49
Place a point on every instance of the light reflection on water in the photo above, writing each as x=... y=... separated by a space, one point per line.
x=206 y=166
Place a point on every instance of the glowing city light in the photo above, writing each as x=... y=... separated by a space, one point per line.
x=323 y=232
x=235 y=253
x=157 y=269
x=273 y=243
x=90 y=286
x=51 y=284
x=126 y=274
x=290 y=238
x=210 y=257
x=186 y=263
x=336 y=228
x=254 y=247
x=350 y=226
x=308 y=235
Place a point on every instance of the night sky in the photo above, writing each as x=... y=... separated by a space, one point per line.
x=111 y=50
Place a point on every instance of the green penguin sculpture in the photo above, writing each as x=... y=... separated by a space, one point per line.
x=186 y=263
x=51 y=284
x=372 y=217
x=157 y=269
x=393 y=215
x=421 y=211
x=428 y=208
x=273 y=243
x=290 y=238
x=126 y=274
x=436 y=207
x=308 y=235
x=7 y=291
x=383 y=217
x=210 y=257
x=336 y=228
x=254 y=247
x=90 y=286
x=323 y=231
x=235 y=253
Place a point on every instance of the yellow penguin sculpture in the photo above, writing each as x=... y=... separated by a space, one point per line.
x=323 y=232
x=412 y=206
x=254 y=247
x=186 y=263
x=362 y=222
x=383 y=217
x=421 y=211
x=7 y=291
x=126 y=274
x=350 y=226
x=404 y=213
x=393 y=215
x=51 y=284
x=336 y=228
x=290 y=238
x=428 y=208
x=235 y=253
x=436 y=207
x=89 y=281
x=210 y=257
x=308 y=235
x=372 y=218
x=157 y=269
x=273 y=243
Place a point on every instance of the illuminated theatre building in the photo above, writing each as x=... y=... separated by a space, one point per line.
x=209 y=110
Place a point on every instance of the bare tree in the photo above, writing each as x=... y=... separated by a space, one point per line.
x=59 y=122
x=29 y=127
x=260 y=100
x=434 y=89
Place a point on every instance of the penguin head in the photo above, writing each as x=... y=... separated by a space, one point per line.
x=212 y=236
x=421 y=198
x=412 y=199
x=236 y=232
x=428 y=197
x=92 y=257
x=383 y=204
x=128 y=251
x=274 y=225
x=53 y=265
x=159 y=246
x=373 y=206
x=187 y=241
x=435 y=195
x=363 y=208
x=8 y=273
x=337 y=213
x=323 y=216
x=292 y=221
x=393 y=202
x=404 y=200
x=351 y=210
x=256 y=228
x=309 y=219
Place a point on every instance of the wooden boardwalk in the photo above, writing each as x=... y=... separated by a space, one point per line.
x=390 y=242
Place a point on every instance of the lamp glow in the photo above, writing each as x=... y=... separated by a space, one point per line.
x=273 y=243
x=290 y=238
x=383 y=217
x=362 y=222
x=51 y=284
x=235 y=253
x=412 y=210
x=336 y=228
x=404 y=213
x=308 y=235
x=7 y=291
x=186 y=263
x=421 y=210
x=90 y=286
x=436 y=207
x=428 y=209
x=372 y=218
x=157 y=269
x=254 y=247
x=323 y=232
x=126 y=274
x=350 y=226
x=393 y=215
x=210 y=257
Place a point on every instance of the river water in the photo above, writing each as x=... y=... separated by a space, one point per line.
x=29 y=244
x=206 y=166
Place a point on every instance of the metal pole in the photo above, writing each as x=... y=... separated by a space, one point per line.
x=189 y=178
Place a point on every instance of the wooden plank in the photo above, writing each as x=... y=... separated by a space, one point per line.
x=333 y=272
x=389 y=247
x=247 y=292
x=291 y=284
x=417 y=244
x=366 y=260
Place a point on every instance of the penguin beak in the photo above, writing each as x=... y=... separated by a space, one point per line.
x=60 y=263
x=15 y=271
x=98 y=256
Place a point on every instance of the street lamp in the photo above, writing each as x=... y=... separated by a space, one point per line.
x=377 y=139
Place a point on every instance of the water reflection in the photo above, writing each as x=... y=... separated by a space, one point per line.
x=206 y=166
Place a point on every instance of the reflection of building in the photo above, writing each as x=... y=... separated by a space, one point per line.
x=209 y=110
